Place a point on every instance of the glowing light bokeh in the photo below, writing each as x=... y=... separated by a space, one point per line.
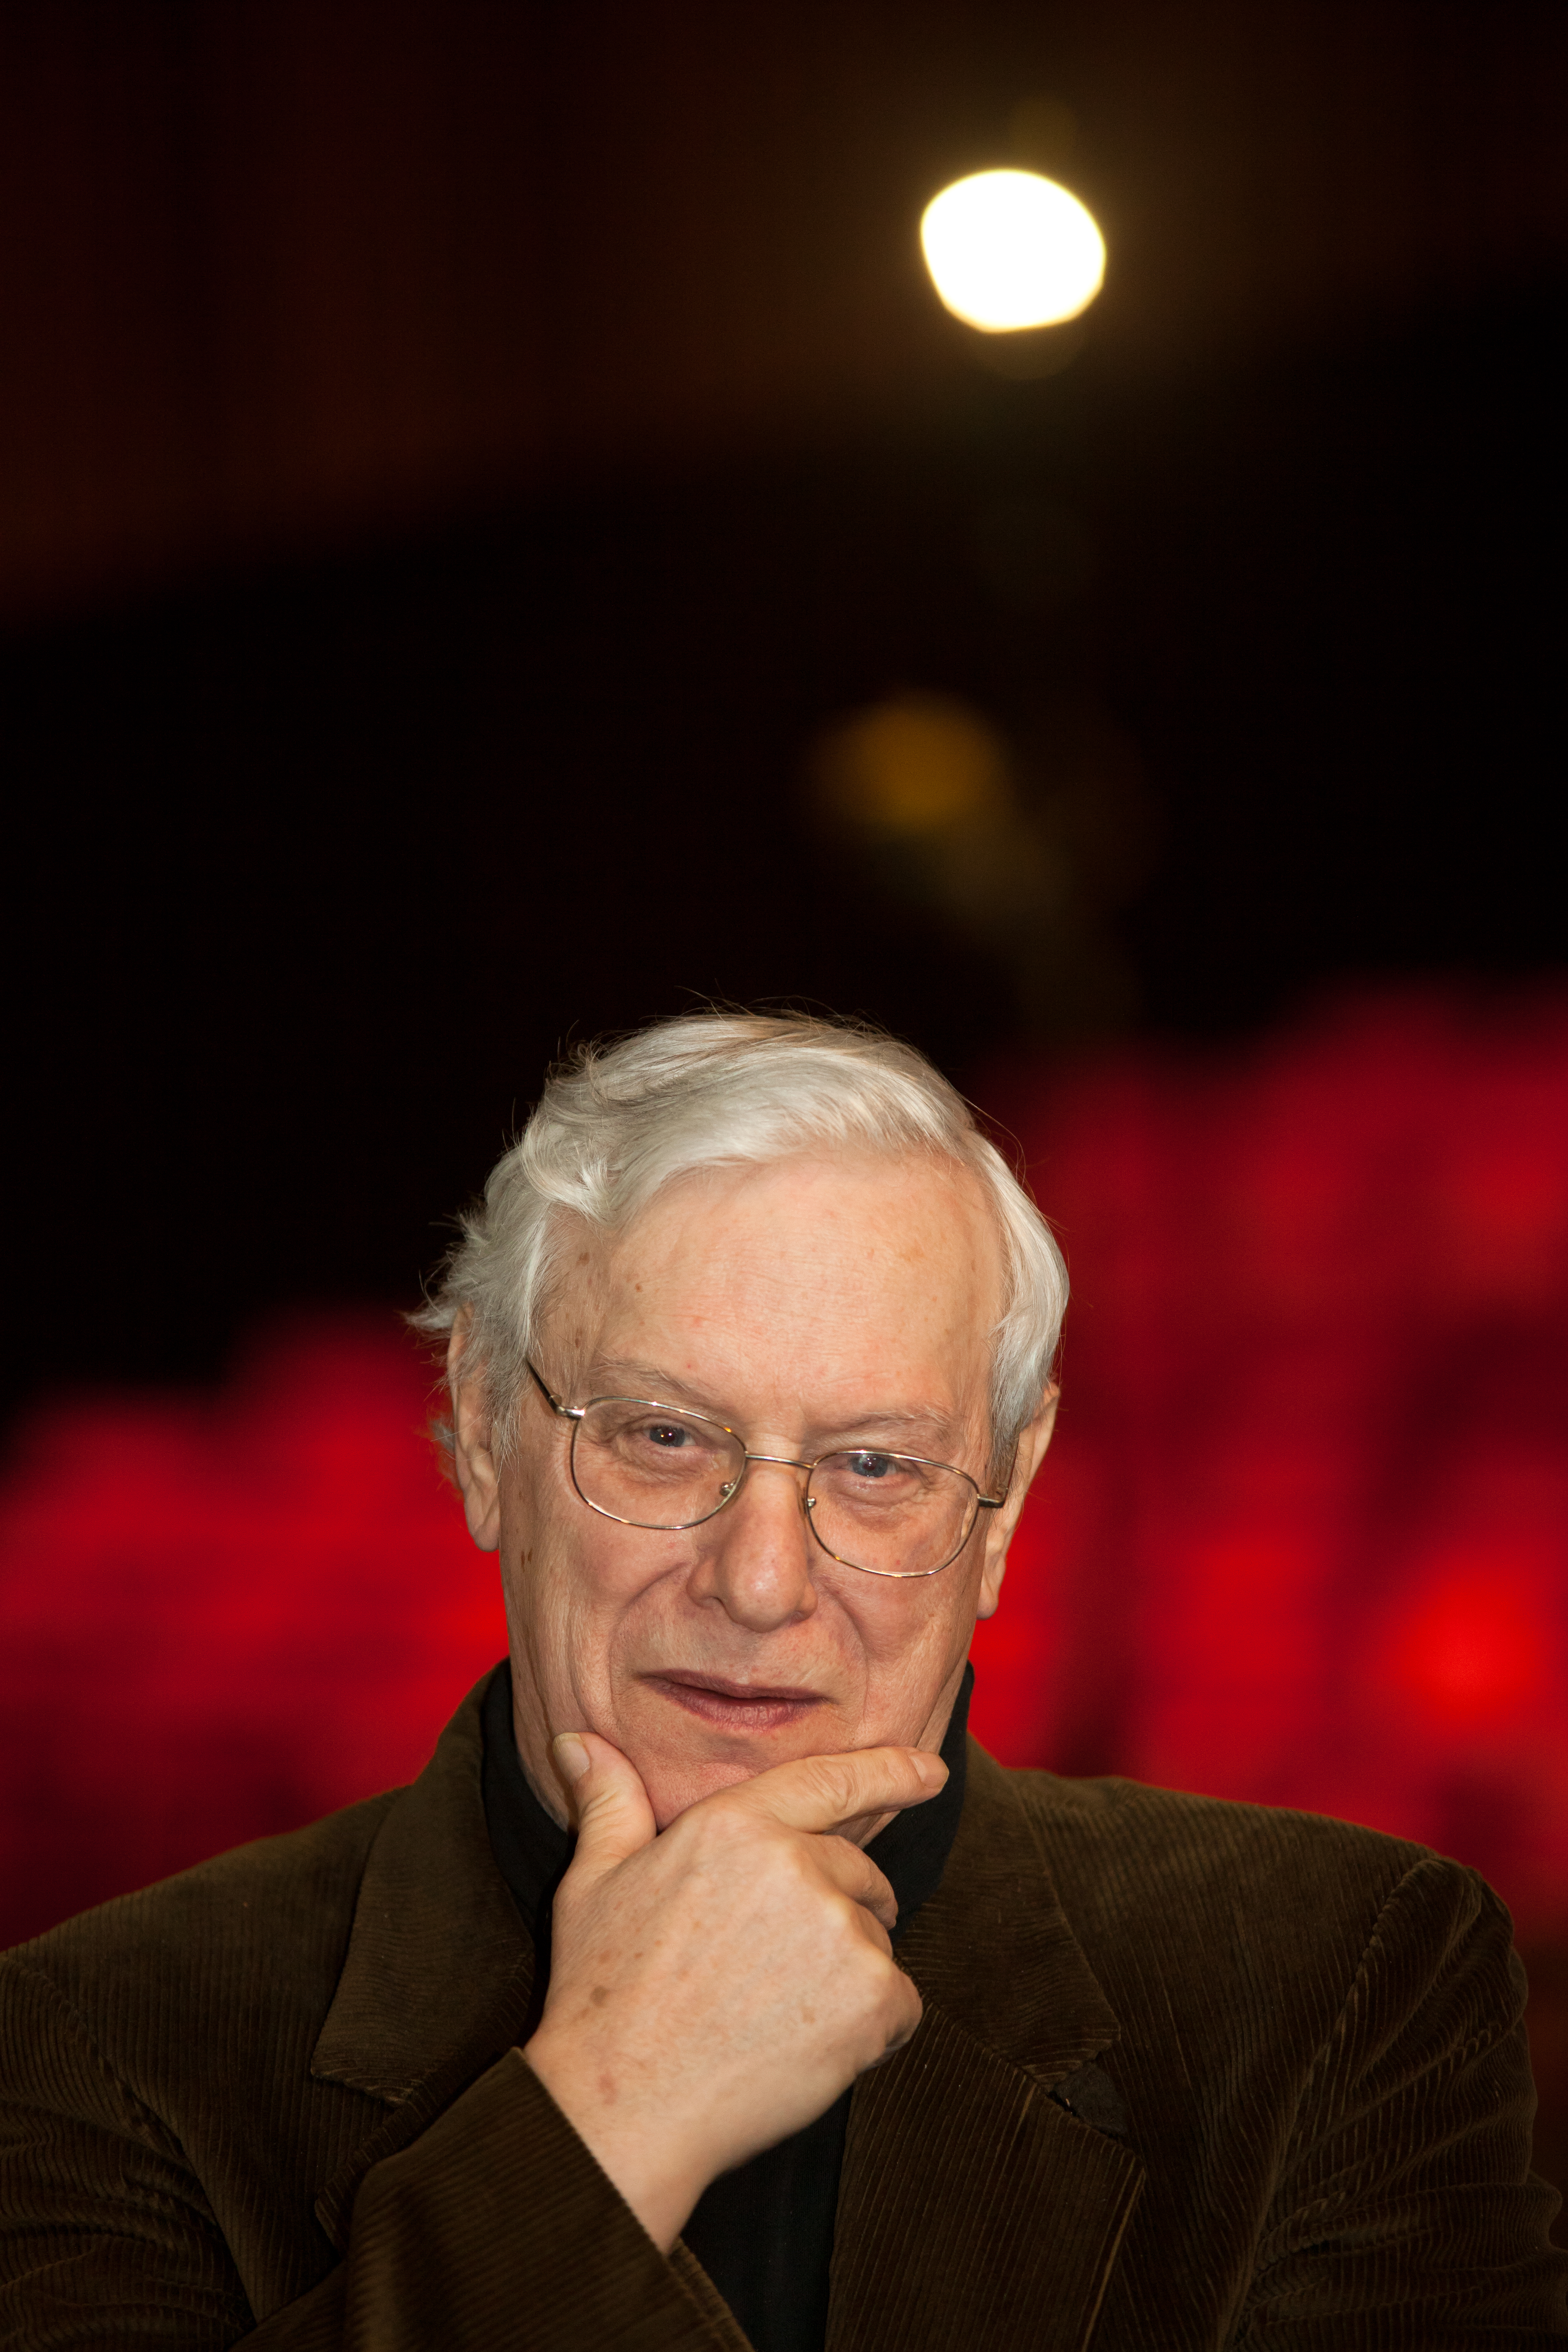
x=919 y=763
x=1011 y=250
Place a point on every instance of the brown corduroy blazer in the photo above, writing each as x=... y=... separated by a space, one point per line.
x=277 y=2099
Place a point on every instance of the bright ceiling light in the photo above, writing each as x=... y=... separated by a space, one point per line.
x=1010 y=249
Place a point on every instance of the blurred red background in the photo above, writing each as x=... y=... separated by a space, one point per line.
x=1303 y=1537
x=1305 y=1540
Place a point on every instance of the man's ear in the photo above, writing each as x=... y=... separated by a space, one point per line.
x=473 y=1462
x=1033 y=1441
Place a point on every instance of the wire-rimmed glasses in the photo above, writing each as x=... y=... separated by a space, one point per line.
x=650 y=1465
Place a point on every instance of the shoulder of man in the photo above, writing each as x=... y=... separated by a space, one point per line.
x=229 y=1971
x=1118 y=1842
x=1202 y=1914
x=258 y=1933
x=1120 y=1851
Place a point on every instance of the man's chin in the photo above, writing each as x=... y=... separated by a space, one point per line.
x=677 y=1780
x=674 y=1789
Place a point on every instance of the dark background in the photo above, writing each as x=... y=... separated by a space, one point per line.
x=454 y=462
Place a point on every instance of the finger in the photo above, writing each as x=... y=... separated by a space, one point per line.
x=854 y=1873
x=607 y=1794
x=824 y=1792
x=903 y=2032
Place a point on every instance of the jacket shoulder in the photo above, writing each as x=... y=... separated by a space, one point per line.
x=1221 y=1829
x=263 y=1927
x=1116 y=1842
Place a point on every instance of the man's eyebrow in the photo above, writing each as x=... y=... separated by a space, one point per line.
x=899 y=1417
x=649 y=1380
x=661 y=1387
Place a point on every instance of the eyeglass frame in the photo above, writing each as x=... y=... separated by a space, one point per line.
x=577 y=1413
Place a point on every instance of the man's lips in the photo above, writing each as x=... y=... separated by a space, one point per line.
x=738 y=1707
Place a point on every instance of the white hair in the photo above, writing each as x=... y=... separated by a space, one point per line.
x=616 y=1123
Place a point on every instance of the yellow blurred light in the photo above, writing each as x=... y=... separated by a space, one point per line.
x=917 y=764
x=1009 y=250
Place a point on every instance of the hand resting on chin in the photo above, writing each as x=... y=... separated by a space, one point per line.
x=714 y=1989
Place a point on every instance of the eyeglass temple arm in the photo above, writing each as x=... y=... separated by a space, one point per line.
x=987 y=1502
x=567 y=1412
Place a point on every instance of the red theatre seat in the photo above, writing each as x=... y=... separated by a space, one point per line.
x=1304 y=1537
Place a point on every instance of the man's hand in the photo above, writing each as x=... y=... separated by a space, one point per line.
x=714 y=1990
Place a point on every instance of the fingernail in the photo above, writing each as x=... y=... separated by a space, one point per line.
x=571 y=1758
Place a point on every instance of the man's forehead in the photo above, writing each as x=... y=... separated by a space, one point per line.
x=873 y=1272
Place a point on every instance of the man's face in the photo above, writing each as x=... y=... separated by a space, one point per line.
x=808 y=1304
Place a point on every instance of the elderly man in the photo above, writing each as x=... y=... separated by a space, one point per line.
x=709 y=1987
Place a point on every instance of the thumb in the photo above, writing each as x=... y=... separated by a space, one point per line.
x=607 y=1794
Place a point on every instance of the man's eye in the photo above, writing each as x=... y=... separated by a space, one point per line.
x=871 y=1465
x=668 y=1435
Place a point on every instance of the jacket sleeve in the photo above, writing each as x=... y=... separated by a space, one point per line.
x=1406 y=2212
x=495 y=2226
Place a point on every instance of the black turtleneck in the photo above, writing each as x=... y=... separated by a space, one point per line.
x=763 y=2233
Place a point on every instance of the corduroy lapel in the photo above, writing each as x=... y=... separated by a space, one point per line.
x=972 y=2209
x=440 y=1968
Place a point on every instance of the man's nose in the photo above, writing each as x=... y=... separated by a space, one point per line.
x=758 y=1565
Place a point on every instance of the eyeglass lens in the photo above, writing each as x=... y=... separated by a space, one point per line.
x=655 y=1467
